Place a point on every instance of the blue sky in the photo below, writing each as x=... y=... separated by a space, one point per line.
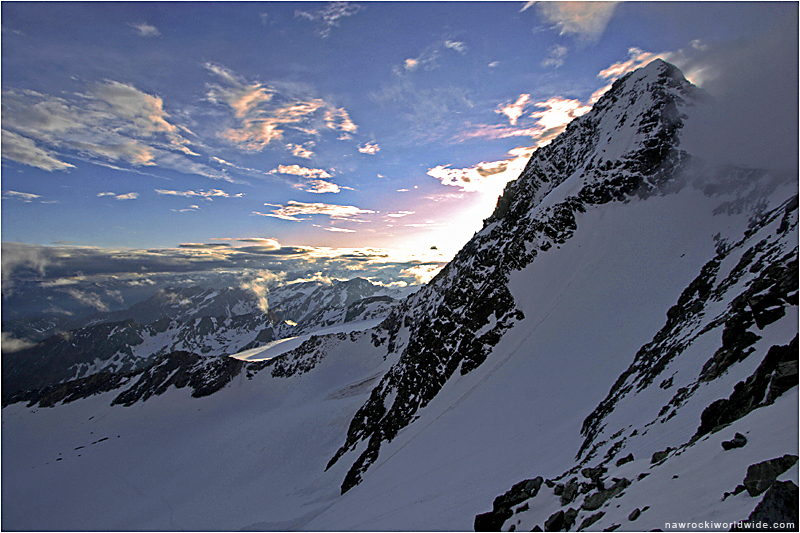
x=316 y=139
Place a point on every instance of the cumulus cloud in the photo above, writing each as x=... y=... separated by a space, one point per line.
x=294 y=210
x=515 y=110
x=487 y=178
x=328 y=17
x=584 y=20
x=144 y=29
x=370 y=148
x=262 y=114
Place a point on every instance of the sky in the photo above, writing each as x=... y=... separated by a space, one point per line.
x=292 y=140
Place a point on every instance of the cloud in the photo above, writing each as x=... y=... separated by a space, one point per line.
x=515 y=110
x=485 y=177
x=338 y=230
x=328 y=17
x=22 y=196
x=456 y=45
x=411 y=64
x=203 y=246
x=399 y=214
x=557 y=112
x=541 y=126
x=110 y=122
x=128 y=196
x=23 y=150
x=206 y=195
x=144 y=29
x=584 y=20
x=262 y=114
x=34 y=270
x=293 y=210
x=11 y=344
x=555 y=56
x=297 y=170
x=263 y=242
x=88 y=299
x=318 y=186
x=300 y=150
x=371 y=148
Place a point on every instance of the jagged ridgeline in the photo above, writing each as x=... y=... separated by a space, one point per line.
x=615 y=349
x=626 y=146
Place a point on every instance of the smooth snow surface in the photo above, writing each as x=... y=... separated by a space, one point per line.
x=281 y=346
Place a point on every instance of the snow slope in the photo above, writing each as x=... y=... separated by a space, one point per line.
x=624 y=312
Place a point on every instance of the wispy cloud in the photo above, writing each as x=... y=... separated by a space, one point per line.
x=458 y=46
x=328 y=17
x=144 y=29
x=298 y=150
x=555 y=56
x=121 y=197
x=21 y=196
x=206 y=195
x=262 y=114
x=295 y=210
x=111 y=124
x=584 y=20
x=24 y=150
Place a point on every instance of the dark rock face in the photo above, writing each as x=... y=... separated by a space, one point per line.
x=776 y=374
x=596 y=500
x=501 y=507
x=779 y=506
x=627 y=459
x=204 y=375
x=588 y=521
x=453 y=323
x=738 y=441
x=775 y=269
x=660 y=456
x=761 y=476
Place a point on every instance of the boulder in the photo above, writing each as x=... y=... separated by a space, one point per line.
x=738 y=441
x=761 y=476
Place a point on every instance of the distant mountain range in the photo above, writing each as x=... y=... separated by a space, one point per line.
x=209 y=322
x=616 y=349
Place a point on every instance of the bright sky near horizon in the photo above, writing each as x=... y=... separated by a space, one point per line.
x=368 y=133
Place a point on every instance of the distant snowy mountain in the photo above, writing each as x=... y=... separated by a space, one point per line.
x=209 y=322
x=616 y=349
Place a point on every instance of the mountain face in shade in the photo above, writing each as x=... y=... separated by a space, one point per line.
x=616 y=349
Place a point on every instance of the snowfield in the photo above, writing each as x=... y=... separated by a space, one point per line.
x=580 y=364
